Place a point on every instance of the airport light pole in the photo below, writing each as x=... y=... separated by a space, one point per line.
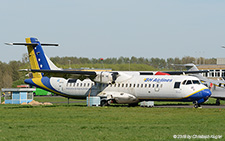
x=69 y=64
x=129 y=64
x=102 y=62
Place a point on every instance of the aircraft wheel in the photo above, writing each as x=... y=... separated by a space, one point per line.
x=104 y=103
x=197 y=105
x=218 y=102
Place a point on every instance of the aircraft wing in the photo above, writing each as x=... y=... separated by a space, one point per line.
x=100 y=77
x=185 y=72
x=67 y=73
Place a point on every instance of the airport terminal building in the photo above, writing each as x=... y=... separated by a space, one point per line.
x=216 y=71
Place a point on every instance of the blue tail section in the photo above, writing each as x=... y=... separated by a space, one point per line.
x=40 y=56
x=37 y=57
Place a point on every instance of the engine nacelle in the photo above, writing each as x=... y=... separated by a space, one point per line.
x=104 y=77
x=111 y=77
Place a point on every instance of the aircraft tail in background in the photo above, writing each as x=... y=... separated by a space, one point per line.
x=191 y=67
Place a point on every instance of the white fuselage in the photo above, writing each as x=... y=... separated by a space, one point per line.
x=136 y=87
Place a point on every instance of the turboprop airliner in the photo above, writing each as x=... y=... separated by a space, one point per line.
x=127 y=87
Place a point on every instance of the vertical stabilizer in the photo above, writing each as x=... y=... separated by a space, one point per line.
x=191 y=67
x=33 y=59
x=42 y=60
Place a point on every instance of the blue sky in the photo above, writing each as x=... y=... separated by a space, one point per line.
x=101 y=28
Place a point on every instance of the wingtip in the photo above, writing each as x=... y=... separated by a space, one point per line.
x=26 y=70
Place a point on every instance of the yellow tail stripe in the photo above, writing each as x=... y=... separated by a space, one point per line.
x=33 y=59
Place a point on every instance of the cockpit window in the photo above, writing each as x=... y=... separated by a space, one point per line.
x=188 y=82
x=177 y=85
x=195 y=82
x=184 y=82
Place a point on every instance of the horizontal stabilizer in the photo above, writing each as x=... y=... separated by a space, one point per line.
x=32 y=44
x=49 y=44
x=26 y=44
x=26 y=70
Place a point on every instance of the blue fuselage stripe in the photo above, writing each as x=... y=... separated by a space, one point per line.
x=46 y=82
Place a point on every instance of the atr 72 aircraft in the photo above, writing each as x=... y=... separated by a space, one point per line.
x=127 y=87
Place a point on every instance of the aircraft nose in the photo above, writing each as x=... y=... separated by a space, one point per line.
x=206 y=93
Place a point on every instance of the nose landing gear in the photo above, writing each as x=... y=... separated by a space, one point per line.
x=196 y=104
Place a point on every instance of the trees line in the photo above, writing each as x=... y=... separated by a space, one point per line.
x=157 y=63
x=11 y=77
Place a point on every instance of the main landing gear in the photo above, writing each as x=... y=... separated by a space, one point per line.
x=218 y=102
x=105 y=102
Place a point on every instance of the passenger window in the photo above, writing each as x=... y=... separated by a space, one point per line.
x=146 y=85
x=176 y=85
x=188 y=82
x=141 y=85
x=134 y=85
x=137 y=85
x=130 y=85
x=84 y=84
x=149 y=85
x=77 y=84
x=153 y=85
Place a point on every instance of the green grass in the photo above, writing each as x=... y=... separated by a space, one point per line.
x=78 y=122
x=55 y=99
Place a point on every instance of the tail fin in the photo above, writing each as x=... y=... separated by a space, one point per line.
x=37 y=57
x=191 y=67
